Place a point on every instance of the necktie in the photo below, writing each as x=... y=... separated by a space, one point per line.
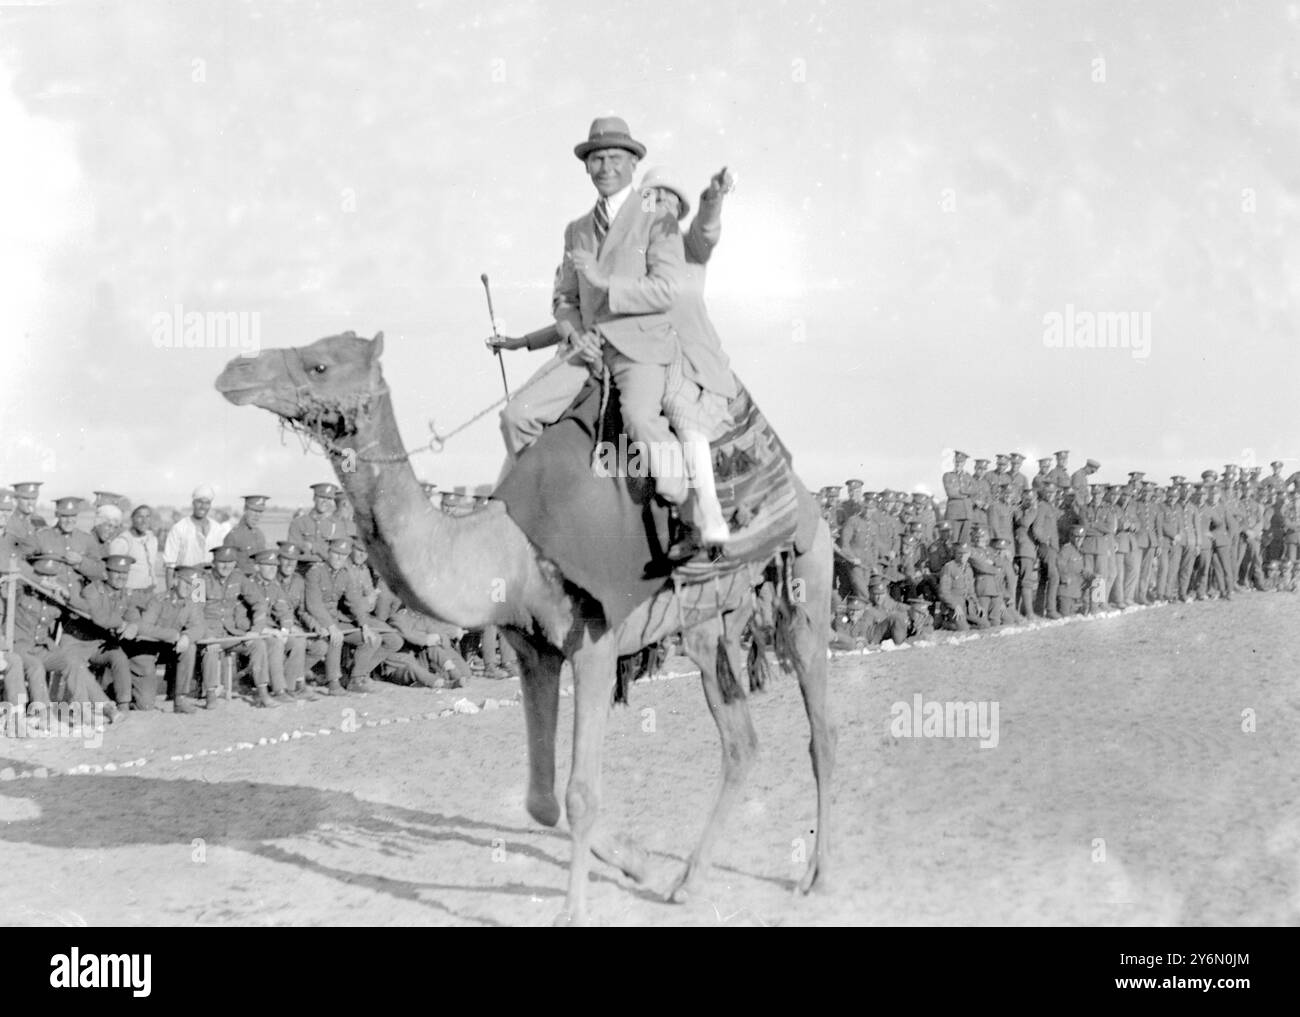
x=601 y=220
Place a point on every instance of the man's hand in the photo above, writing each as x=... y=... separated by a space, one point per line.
x=589 y=348
x=73 y=557
x=130 y=631
x=369 y=636
x=584 y=263
x=183 y=643
x=721 y=183
x=335 y=635
x=497 y=343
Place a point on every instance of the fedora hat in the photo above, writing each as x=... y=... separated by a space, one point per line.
x=608 y=132
x=661 y=176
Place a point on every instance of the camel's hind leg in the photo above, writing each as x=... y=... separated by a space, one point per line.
x=540 y=689
x=814 y=572
x=735 y=728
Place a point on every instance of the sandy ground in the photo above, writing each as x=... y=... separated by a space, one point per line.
x=1124 y=790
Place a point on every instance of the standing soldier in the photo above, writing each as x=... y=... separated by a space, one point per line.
x=988 y=577
x=852 y=504
x=233 y=607
x=1166 y=522
x=1273 y=484
x=1000 y=513
x=1146 y=540
x=957 y=489
x=1001 y=475
x=981 y=495
x=1026 y=558
x=1080 y=479
x=1019 y=482
x=1060 y=475
x=1193 y=532
x=246 y=536
x=24 y=524
x=1045 y=530
x=1252 y=530
x=312 y=531
x=1128 y=556
x=859 y=548
x=1043 y=479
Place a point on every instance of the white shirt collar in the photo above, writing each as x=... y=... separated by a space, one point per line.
x=616 y=200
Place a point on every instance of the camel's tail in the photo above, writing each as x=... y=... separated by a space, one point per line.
x=778 y=632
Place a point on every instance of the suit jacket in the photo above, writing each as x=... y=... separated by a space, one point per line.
x=643 y=256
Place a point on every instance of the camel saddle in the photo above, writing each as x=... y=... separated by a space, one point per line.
x=610 y=535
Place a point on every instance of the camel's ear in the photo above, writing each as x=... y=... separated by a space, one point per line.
x=377 y=346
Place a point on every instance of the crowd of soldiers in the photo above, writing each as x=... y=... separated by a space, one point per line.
x=1005 y=548
x=124 y=616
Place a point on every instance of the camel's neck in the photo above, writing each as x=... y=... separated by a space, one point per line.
x=438 y=564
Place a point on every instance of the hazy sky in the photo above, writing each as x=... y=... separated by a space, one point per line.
x=920 y=187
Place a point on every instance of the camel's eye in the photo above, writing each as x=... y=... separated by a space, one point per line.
x=319 y=369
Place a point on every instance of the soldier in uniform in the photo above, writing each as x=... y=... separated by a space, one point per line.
x=1001 y=475
x=246 y=536
x=957 y=488
x=1026 y=548
x=1060 y=474
x=852 y=503
x=883 y=618
x=286 y=650
x=73 y=549
x=102 y=635
x=289 y=614
x=859 y=547
x=168 y=625
x=1081 y=479
x=1019 y=483
x=37 y=616
x=1290 y=515
x=1128 y=554
x=1043 y=479
x=23 y=669
x=1166 y=521
x=1045 y=530
x=1000 y=515
x=233 y=606
x=957 y=592
x=988 y=577
x=312 y=532
x=1003 y=558
x=1073 y=573
x=24 y=524
x=334 y=601
x=1273 y=484
x=981 y=495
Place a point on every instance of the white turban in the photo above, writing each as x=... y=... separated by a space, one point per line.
x=204 y=492
x=108 y=514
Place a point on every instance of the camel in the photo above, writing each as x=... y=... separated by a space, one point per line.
x=458 y=568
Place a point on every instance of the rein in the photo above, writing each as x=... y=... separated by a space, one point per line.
x=311 y=426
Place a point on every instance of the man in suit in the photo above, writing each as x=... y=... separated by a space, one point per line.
x=623 y=266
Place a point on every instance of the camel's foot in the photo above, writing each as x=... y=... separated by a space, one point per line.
x=814 y=878
x=624 y=854
x=568 y=919
x=544 y=807
x=686 y=886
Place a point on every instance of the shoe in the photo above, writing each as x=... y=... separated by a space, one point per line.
x=335 y=689
x=496 y=674
x=183 y=705
x=264 y=700
x=283 y=697
x=360 y=684
x=307 y=693
x=210 y=700
x=1054 y=615
x=114 y=713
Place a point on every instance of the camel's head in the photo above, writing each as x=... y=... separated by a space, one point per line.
x=322 y=388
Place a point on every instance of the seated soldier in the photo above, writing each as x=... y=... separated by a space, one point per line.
x=286 y=653
x=959 y=604
x=98 y=628
x=169 y=626
x=848 y=629
x=37 y=615
x=428 y=643
x=289 y=614
x=884 y=617
x=335 y=602
x=234 y=613
x=1070 y=569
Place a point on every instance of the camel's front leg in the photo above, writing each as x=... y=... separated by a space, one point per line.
x=540 y=689
x=593 y=683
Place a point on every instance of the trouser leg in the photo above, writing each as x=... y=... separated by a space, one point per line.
x=641 y=399
x=542 y=401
